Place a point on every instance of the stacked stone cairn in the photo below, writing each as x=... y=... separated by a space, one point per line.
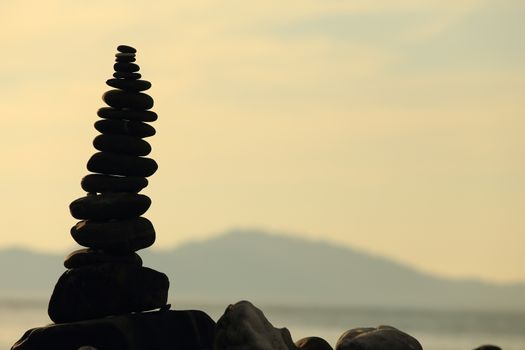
x=107 y=277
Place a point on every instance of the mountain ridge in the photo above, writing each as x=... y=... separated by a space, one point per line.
x=264 y=267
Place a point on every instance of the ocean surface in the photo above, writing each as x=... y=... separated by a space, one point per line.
x=436 y=330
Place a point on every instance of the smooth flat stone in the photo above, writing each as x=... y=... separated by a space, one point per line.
x=112 y=113
x=313 y=343
x=124 y=55
x=131 y=76
x=126 y=49
x=115 y=236
x=126 y=67
x=97 y=183
x=126 y=59
x=122 y=144
x=164 y=329
x=106 y=289
x=124 y=127
x=83 y=257
x=129 y=85
x=119 y=164
x=380 y=338
x=110 y=206
x=125 y=99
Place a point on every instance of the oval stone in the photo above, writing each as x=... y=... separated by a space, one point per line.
x=122 y=144
x=126 y=49
x=107 y=289
x=110 y=206
x=382 y=337
x=112 y=113
x=124 y=127
x=126 y=67
x=120 y=164
x=88 y=256
x=313 y=343
x=129 y=85
x=97 y=183
x=115 y=236
x=123 y=75
x=126 y=59
x=125 y=99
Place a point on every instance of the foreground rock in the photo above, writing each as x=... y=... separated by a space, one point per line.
x=380 y=338
x=188 y=330
x=488 y=347
x=244 y=327
x=313 y=343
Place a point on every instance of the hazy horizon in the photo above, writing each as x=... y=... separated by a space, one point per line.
x=394 y=127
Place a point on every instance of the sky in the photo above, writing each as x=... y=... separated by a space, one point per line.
x=392 y=126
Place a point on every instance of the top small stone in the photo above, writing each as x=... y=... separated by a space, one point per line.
x=126 y=49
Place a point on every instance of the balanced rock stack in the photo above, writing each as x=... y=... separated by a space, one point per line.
x=107 y=278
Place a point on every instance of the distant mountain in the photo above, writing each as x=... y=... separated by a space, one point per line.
x=279 y=269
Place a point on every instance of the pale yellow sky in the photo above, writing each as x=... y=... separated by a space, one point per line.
x=392 y=126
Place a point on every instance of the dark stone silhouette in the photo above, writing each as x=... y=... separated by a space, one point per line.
x=380 y=338
x=313 y=343
x=488 y=347
x=102 y=299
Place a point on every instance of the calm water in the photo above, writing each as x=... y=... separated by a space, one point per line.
x=436 y=330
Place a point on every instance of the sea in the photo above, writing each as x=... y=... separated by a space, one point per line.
x=435 y=329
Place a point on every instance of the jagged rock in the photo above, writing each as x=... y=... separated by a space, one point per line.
x=313 y=343
x=123 y=75
x=126 y=49
x=84 y=257
x=122 y=144
x=167 y=329
x=125 y=99
x=108 y=206
x=129 y=85
x=380 y=338
x=97 y=183
x=120 y=164
x=244 y=327
x=126 y=67
x=488 y=347
x=112 y=113
x=106 y=289
x=124 y=127
x=116 y=236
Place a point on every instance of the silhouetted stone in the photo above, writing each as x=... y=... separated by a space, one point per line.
x=380 y=338
x=97 y=183
x=83 y=257
x=122 y=144
x=244 y=327
x=125 y=99
x=126 y=49
x=124 y=127
x=488 y=347
x=313 y=343
x=112 y=113
x=129 y=85
x=166 y=329
x=126 y=67
x=110 y=206
x=131 y=76
x=106 y=289
x=119 y=164
x=116 y=236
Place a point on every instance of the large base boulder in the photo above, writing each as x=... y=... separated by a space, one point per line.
x=166 y=329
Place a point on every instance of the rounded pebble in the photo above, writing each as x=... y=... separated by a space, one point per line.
x=112 y=113
x=123 y=75
x=122 y=144
x=108 y=206
x=115 y=236
x=126 y=67
x=88 y=256
x=125 y=99
x=97 y=183
x=119 y=164
x=129 y=85
x=126 y=49
x=124 y=127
